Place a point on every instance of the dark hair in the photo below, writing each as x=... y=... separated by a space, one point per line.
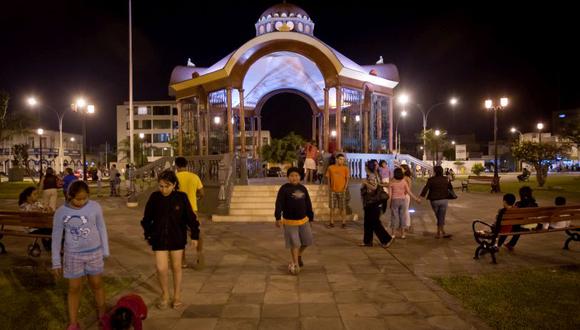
x=25 y=194
x=49 y=171
x=406 y=170
x=510 y=199
x=76 y=187
x=526 y=193
x=438 y=170
x=69 y=170
x=118 y=174
x=382 y=162
x=122 y=319
x=180 y=162
x=560 y=200
x=169 y=176
x=295 y=169
x=371 y=165
x=398 y=173
x=340 y=155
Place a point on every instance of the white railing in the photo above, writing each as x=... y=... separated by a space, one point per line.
x=356 y=163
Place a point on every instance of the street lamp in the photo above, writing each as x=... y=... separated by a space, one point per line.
x=40 y=131
x=540 y=127
x=403 y=114
x=81 y=106
x=404 y=99
x=515 y=130
x=503 y=102
x=437 y=133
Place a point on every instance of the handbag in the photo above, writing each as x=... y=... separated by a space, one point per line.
x=451 y=194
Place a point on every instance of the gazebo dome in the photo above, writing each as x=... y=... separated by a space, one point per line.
x=284 y=17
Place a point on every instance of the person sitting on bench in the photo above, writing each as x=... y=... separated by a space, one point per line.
x=524 y=176
x=508 y=202
x=28 y=202
x=526 y=200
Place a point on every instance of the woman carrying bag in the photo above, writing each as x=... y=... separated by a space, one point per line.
x=374 y=199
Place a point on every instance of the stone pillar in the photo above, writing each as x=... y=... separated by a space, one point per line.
x=326 y=120
x=391 y=123
x=242 y=123
x=229 y=119
x=253 y=128
x=207 y=123
x=379 y=115
x=259 y=133
x=180 y=131
x=199 y=126
x=365 y=120
x=314 y=128
x=320 y=129
x=338 y=118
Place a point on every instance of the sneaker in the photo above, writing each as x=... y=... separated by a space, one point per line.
x=386 y=246
x=293 y=269
x=300 y=262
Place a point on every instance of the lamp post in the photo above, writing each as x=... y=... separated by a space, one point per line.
x=404 y=99
x=437 y=133
x=40 y=131
x=142 y=137
x=520 y=140
x=397 y=135
x=489 y=106
x=540 y=127
x=81 y=106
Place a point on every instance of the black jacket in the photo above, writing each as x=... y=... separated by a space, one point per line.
x=438 y=188
x=293 y=202
x=166 y=220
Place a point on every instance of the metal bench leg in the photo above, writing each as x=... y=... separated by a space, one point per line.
x=573 y=237
x=477 y=251
x=493 y=261
x=2 y=249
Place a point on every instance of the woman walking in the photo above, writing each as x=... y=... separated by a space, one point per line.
x=372 y=211
x=437 y=191
x=398 y=191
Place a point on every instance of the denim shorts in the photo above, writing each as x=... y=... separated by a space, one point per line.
x=80 y=264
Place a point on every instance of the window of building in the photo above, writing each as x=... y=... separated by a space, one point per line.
x=175 y=111
x=162 y=124
x=31 y=142
x=146 y=124
x=161 y=137
x=163 y=110
x=175 y=125
x=142 y=110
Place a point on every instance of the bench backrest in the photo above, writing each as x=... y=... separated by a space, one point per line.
x=480 y=178
x=523 y=216
x=26 y=219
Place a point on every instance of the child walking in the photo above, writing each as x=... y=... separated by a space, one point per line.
x=168 y=213
x=85 y=246
x=294 y=213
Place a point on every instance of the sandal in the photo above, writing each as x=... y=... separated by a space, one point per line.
x=177 y=304
x=162 y=304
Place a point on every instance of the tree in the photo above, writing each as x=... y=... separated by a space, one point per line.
x=125 y=147
x=435 y=143
x=11 y=123
x=571 y=131
x=282 y=150
x=539 y=155
x=477 y=168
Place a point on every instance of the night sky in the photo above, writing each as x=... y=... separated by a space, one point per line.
x=57 y=50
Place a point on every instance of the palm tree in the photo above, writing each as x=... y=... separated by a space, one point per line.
x=435 y=140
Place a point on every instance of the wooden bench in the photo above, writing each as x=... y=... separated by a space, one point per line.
x=476 y=179
x=14 y=223
x=488 y=237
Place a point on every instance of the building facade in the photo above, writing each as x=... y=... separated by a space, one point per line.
x=50 y=150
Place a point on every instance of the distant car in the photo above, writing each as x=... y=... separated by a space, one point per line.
x=274 y=172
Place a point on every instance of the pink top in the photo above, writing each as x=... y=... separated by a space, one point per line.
x=398 y=189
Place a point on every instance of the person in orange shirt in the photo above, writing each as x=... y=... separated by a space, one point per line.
x=338 y=176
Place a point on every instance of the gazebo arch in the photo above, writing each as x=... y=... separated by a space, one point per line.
x=364 y=92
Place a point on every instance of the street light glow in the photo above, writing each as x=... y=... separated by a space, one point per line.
x=357 y=118
x=453 y=101
x=90 y=108
x=540 y=126
x=403 y=113
x=40 y=131
x=81 y=103
x=141 y=135
x=503 y=101
x=216 y=120
x=403 y=99
x=31 y=101
x=453 y=142
x=488 y=104
x=72 y=139
x=333 y=133
x=513 y=129
x=437 y=132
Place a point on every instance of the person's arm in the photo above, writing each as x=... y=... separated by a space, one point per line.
x=309 y=211
x=57 y=233
x=347 y=179
x=425 y=189
x=279 y=205
x=200 y=192
x=147 y=222
x=408 y=191
x=102 y=228
x=190 y=218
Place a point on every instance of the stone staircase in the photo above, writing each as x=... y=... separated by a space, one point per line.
x=256 y=203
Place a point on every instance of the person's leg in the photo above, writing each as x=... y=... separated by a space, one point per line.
x=403 y=217
x=294 y=253
x=395 y=216
x=368 y=226
x=161 y=264
x=407 y=213
x=96 y=284
x=441 y=210
x=177 y=275
x=343 y=208
x=332 y=203
x=435 y=208
x=377 y=226
x=75 y=288
x=512 y=243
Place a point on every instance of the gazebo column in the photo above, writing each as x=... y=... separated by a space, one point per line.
x=338 y=118
x=199 y=126
x=207 y=124
x=253 y=128
x=259 y=132
x=229 y=119
x=320 y=129
x=391 y=123
x=326 y=121
x=379 y=115
x=180 y=131
x=242 y=123
x=365 y=121
x=314 y=128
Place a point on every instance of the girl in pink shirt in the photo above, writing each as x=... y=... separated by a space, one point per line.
x=398 y=190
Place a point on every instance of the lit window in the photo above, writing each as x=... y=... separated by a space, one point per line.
x=142 y=110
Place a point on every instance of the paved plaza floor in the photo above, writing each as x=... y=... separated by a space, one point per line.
x=245 y=283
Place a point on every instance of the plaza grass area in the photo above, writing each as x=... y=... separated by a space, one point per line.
x=531 y=299
x=11 y=190
x=31 y=299
x=556 y=185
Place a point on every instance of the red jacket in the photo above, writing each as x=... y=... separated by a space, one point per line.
x=134 y=303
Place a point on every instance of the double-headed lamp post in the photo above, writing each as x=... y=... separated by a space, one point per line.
x=503 y=102
x=142 y=138
x=404 y=99
x=515 y=130
x=40 y=131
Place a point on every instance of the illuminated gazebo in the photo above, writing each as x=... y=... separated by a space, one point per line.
x=219 y=104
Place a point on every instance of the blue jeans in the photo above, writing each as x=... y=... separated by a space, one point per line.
x=398 y=213
x=439 y=207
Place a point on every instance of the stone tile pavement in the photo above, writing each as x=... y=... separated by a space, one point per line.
x=245 y=284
